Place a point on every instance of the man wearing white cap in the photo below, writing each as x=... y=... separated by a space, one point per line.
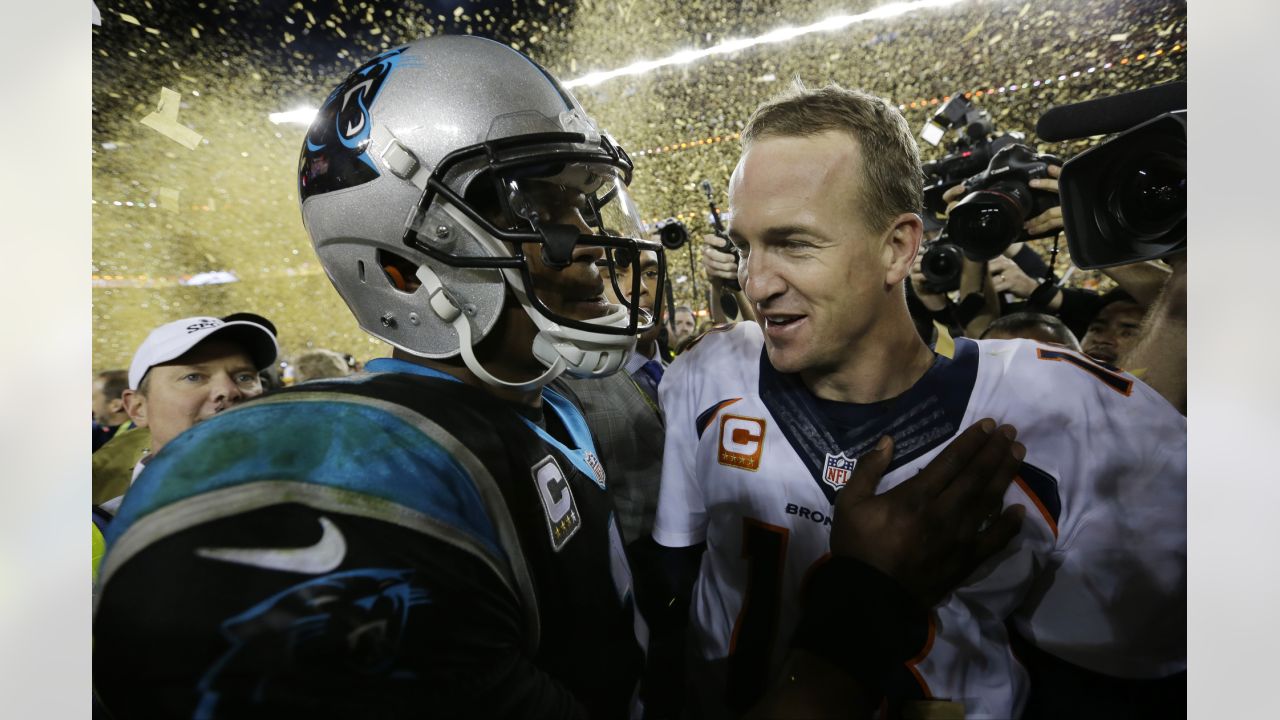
x=190 y=369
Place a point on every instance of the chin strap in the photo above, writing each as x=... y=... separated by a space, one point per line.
x=447 y=311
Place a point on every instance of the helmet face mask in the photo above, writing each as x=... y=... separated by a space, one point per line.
x=546 y=224
x=525 y=213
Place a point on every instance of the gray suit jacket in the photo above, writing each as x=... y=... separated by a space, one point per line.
x=629 y=434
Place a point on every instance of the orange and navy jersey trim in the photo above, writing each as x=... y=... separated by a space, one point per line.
x=1042 y=488
x=713 y=329
x=1108 y=374
x=920 y=656
x=706 y=416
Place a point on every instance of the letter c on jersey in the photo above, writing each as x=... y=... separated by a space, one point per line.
x=741 y=442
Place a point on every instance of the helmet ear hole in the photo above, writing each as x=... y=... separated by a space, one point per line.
x=400 y=272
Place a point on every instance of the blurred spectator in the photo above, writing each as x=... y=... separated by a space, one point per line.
x=184 y=372
x=685 y=325
x=1032 y=326
x=108 y=407
x=319 y=363
x=1114 y=330
x=270 y=376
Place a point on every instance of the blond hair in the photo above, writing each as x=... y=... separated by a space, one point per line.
x=892 y=182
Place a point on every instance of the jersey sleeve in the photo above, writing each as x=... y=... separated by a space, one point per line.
x=1112 y=598
x=301 y=585
x=715 y=370
x=681 y=519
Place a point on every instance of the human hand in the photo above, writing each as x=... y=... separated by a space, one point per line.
x=1050 y=220
x=1006 y=276
x=953 y=195
x=719 y=264
x=932 y=531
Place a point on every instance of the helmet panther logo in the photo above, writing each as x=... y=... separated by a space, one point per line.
x=335 y=154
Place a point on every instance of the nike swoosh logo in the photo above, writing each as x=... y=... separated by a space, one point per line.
x=324 y=556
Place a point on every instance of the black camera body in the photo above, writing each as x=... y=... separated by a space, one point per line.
x=969 y=154
x=672 y=233
x=1000 y=200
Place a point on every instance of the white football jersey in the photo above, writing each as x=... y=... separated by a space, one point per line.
x=1097 y=575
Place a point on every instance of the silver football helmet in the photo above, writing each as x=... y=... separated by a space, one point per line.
x=423 y=180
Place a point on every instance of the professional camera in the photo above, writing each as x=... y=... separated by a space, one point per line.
x=672 y=233
x=1125 y=200
x=941 y=265
x=1000 y=200
x=970 y=153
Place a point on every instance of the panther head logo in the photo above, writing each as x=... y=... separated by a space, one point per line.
x=335 y=154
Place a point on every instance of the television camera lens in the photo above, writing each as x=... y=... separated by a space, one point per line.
x=1148 y=194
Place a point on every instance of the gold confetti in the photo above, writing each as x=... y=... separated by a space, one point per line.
x=242 y=211
x=169 y=200
x=165 y=121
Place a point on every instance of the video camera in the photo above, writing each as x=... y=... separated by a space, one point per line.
x=970 y=153
x=1125 y=200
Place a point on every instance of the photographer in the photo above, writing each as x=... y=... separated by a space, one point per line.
x=722 y=266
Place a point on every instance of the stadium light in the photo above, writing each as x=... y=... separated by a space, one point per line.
x=300 y=116
x=838 y=22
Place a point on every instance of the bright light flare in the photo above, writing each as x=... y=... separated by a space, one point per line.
x=782 y=34
x=300 y=116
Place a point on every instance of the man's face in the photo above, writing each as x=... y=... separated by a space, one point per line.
x=102 y=405
x=576 y=291
x=815 y=274
x=1113 y=332
x=208 y=379
x=685 y=324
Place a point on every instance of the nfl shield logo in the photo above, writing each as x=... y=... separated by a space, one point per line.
x=838 y=470
x=593 y=462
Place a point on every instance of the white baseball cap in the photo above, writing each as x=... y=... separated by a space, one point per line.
x=172 y=340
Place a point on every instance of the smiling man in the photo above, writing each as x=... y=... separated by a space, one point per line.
x=765 y=422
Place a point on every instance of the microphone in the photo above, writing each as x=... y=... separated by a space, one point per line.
x=1113 y=114
x=706 y=187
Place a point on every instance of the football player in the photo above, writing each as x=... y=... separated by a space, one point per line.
x=765 y=423
x=433 y=536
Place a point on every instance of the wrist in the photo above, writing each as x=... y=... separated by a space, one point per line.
x=1044 y=294
x=933 y=303
x=860 y=620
